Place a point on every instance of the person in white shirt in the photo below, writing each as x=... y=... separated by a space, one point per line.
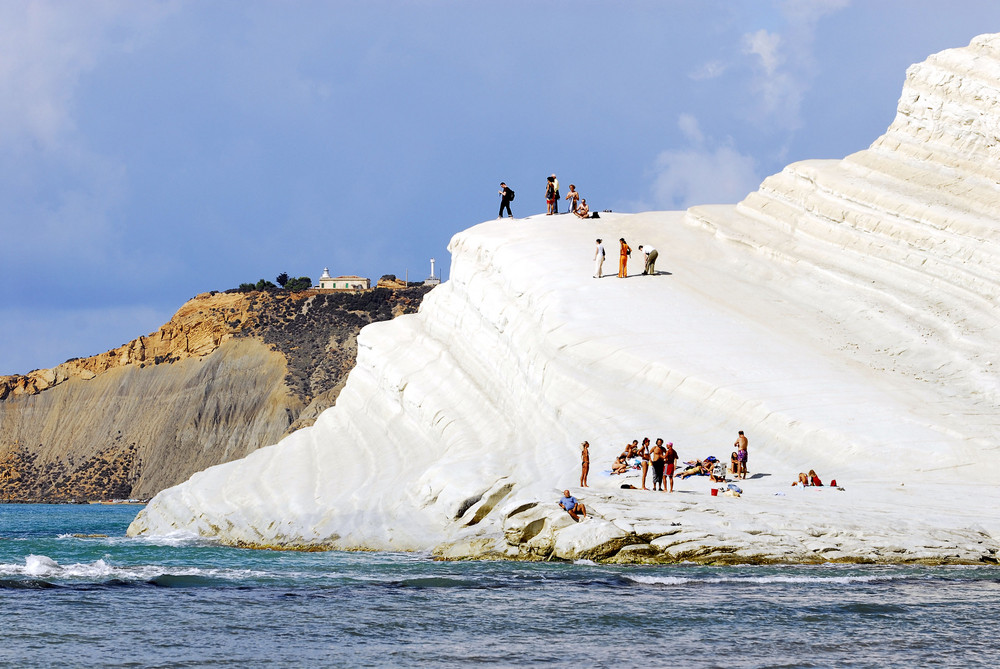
x=599 y=260
x=651 y=255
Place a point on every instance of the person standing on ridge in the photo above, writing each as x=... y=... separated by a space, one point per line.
x=644 y=454
x=599 y=260
x=671 y=460
x=550 y=195
x=574 y=198
x=506 y=195
x=584 y=463
x=555 y=201
x=656 y=458
x=651 y=255
x=741 y=444
x=626 y=251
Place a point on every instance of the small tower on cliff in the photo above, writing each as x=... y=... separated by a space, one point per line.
x=432 y=280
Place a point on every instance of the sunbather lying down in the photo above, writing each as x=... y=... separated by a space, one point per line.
x=699 y=467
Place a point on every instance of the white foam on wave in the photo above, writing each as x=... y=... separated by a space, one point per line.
x=764 y=580
x=44 y=567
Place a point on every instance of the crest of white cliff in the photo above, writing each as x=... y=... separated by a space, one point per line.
x=844 y=315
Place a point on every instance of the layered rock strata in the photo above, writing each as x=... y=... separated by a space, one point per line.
x=844 y=315
x=229 y=373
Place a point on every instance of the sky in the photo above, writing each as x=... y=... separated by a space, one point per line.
x=151 y=151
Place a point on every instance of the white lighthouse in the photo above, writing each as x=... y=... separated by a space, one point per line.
x=432 y=280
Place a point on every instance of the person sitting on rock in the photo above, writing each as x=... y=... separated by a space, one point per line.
x=583 y=211
x=814 y=479
x=718 y=473
x=803 y=480
x=620 y=465
x=574 y=508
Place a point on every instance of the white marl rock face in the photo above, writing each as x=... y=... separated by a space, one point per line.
x=845 y=316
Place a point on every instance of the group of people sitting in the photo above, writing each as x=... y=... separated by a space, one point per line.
x=810 y=479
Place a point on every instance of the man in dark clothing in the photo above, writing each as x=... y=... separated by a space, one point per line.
x=506 y=195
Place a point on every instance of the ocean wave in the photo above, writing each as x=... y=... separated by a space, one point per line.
x=44 y=568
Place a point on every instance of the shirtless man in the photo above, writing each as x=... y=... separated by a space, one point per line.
x=583 y=211
x=584 y=464
x=644 y=454
x=572 y=507
x=656 y=457
x=671 y=459
x=741 y=454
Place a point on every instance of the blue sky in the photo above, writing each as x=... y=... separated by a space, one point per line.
x=151 y=151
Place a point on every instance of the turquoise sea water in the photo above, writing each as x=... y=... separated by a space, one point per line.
x=119 y=602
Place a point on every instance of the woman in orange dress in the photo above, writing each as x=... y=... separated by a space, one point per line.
x=623 y=260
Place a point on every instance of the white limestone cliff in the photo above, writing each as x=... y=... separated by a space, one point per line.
x=844 y=315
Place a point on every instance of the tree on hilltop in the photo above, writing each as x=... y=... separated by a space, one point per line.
x=296 y=285
x=282 y=279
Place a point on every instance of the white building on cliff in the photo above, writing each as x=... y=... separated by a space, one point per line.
x=327 y=282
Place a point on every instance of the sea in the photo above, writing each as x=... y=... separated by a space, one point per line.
x=76 y=592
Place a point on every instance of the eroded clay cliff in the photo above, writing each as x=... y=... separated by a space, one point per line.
x=228 y=374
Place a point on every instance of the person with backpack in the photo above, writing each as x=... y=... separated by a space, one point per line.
x=506 y=197
x=626 y=251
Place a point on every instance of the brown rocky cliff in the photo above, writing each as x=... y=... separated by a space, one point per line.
x=228 y=374
x=198 y=328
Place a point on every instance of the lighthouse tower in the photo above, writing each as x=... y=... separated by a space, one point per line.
x=432 y=280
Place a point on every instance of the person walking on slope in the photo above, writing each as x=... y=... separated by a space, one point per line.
x=626 y=251
x=651 y=256
x=506 y=195
x=599 y=260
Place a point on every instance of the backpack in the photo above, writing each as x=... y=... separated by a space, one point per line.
x=510 y=192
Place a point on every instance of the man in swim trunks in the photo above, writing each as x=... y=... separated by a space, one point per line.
x=741 y=454
x=671 y=459
x=574 y=508
x=656 y=459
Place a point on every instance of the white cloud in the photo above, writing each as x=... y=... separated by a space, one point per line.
x=766 y=46
x=690 y=177
x=60 y=190
x=709 y=70
x=783 y=62
x=45 y=48
x=707 y=173
x=691 y=129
